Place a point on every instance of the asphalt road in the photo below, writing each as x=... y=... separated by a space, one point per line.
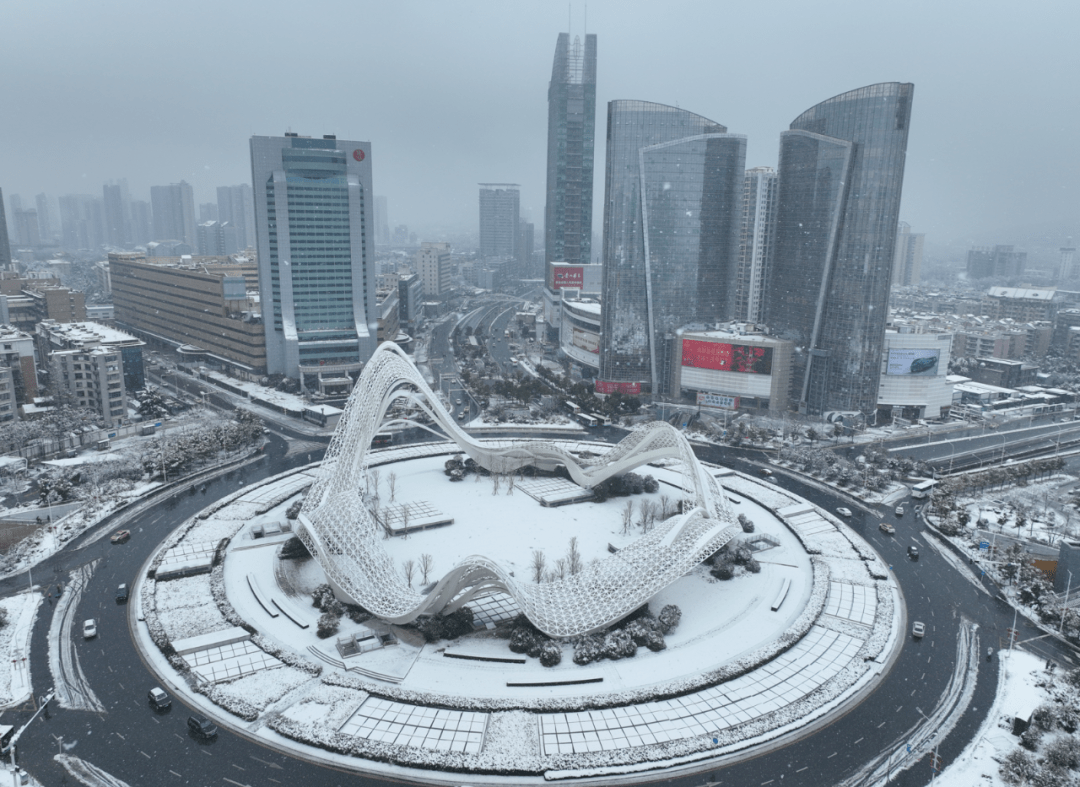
x=993 y=446
x=134 y=744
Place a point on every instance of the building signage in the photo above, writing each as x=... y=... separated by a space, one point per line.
x=744 y=358
x=913 y=362
x=589 y=342
x=718 y=401
x=609 y=387
x=570 y=277
x=358 y=154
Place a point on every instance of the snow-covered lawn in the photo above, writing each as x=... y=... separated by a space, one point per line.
x=186 y=608
x=15 y=646
x=265 y=687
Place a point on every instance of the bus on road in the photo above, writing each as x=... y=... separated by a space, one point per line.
x=921 y=491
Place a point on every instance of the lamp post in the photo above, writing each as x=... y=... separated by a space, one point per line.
x=1065 y=609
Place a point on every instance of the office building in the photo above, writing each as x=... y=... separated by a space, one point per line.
x=217 y=239
x=14 y=205
x=313 y=220
x=5 y=243
x=235 y=205
x=382 y=222
x=199 y=304
x=571 y=141
x=840 y=177
x=997 y=262
x=500 y=212
x=142 y=227
x=1066 y=263
x=735 y=367
x=116 y=221
x=907 y=259
x=433 y=265
x=26 y=226
x=913 y=377
x=410 y=299
x=755 y=241
x=671 y=237
x=91 y=366
x=173 y=209
x=46 y=228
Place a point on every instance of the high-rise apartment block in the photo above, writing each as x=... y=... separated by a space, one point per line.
x=433 y=265
x=116 y=221
x=907 y=259
x=840 y=177
x=500 y=211
x=174 y=213
x=755 y=241
x=671 y=237
x=382 y=222
x=236 y=207
x=313 y=221
x=998 y=262
x=1066 y=262
x=571 y=141
x=5 y=244
x=46 y=228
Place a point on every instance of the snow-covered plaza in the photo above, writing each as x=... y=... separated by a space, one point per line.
x=228 y=621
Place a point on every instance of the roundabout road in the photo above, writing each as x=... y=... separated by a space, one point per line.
x=132 y=743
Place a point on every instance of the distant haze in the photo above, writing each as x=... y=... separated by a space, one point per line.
x=455 y=93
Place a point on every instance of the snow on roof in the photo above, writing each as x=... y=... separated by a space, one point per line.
x=1020 y=292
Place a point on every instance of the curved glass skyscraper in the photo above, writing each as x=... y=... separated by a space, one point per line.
x=671 y=237
x=840 y=177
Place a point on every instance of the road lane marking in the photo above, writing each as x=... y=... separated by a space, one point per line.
x=898 y=707
x=831 y=756
x=144 y=754
x=118 y=735
x=230 y=781
x=858 y=741
x=265 y=762
x=233 y=764
x=178 y=736
x=802 y=769
x=174 y=773
x=913 y=692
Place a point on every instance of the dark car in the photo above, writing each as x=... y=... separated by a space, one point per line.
x=913 y=552
x=201 y=726
x=122 y=593
x=159 y=700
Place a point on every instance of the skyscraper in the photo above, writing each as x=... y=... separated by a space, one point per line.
x=907 y=260
x=235 y=206
x=674 y=186
x=500 y=209
x=382 y=222
x=571 y=138
x=5 y=244
x=841 y=173
x=755 y=241
x=46 y=229
x=115 y=219
x=313 y=221
x=174 y=212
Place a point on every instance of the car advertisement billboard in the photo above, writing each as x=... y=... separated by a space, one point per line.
x=913 y=362
x=744 y=358
x=718 y=401
x=569 y=277
x=609 y=387
x=589 y=342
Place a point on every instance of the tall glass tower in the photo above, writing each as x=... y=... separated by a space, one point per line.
x=841 y=172
x=313 y=219
x=571 y=138
x=5 y=246
x=673 y=189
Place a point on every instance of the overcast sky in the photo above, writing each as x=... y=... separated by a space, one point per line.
x=454 y=93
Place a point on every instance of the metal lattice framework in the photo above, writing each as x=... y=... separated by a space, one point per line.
x=346 y=539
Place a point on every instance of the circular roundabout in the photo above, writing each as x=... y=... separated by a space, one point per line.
x=515 y=622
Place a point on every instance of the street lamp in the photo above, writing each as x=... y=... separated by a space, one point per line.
x=1065 y=609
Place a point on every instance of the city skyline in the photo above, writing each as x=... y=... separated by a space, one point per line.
x=961 y=185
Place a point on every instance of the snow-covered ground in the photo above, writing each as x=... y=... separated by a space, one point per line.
x=1018 y=688
x=21 y=610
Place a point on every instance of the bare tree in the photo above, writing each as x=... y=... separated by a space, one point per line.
x=496 y=481
x=510 y=484
x=627 y=516
x=373 y=483
x=405 y=521
x=391 y=482
x=539 y=562
x=573 y=557
x=665 y=507
x=409 y=568
x=645 y=515
x=427 y=562
x=559 y=572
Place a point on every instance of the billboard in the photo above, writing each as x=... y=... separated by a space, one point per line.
x=589 y=342
x=567 y=277
x=718 y=401
x=609 y=387
x=913 y=362
x=744 y=358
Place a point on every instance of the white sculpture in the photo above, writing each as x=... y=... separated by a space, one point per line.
x=342 y=535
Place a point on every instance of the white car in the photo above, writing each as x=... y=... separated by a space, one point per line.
x=89 y=629
x=918 y=630
x=843 y=511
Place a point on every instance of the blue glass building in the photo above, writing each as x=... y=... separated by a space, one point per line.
x=313 y=219
x=673 y=189
x=840 y=177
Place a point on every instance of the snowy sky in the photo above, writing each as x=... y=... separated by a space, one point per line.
x=455 y=93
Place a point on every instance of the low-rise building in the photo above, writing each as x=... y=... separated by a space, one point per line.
x=914 y=376
x=17 y=354
x=9 y=409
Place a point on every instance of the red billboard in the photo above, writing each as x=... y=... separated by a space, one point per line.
x=609 y=387
x=568 y=277
x=745 y=358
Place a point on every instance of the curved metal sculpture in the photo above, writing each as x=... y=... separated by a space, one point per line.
x=346 y=539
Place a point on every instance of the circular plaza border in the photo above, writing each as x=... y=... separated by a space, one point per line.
x=841 y=637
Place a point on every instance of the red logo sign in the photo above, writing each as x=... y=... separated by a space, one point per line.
x=749 y=359
x=567 y=278
x=358 y=155
x=609 y=387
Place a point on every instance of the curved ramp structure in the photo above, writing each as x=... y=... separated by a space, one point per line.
x=342 y=534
